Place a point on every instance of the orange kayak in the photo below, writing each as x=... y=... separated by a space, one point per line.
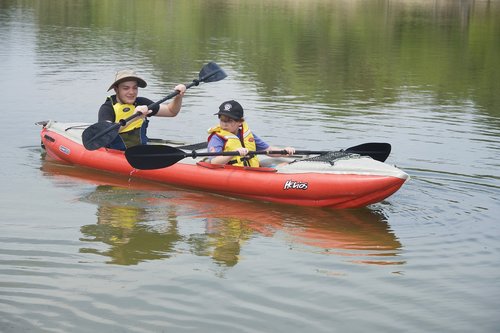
x=350 y=181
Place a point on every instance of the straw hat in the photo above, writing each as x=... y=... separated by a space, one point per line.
x=127 y=75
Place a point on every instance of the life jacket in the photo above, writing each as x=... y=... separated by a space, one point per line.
x=134 y=133
x=233 y=142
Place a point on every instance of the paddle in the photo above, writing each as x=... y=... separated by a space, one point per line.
x=103 y=133
x=148 y=157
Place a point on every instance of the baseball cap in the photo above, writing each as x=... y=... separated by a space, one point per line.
x=232 y=109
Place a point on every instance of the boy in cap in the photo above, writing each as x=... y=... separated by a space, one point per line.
x=125 y=103
x=233 y=134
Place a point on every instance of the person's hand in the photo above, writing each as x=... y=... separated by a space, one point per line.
x=290 y=150
x=181 y=89
x=242 y=151
x=143 y=109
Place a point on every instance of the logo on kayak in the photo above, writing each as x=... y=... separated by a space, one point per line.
x=294 y=185
x=65 y=150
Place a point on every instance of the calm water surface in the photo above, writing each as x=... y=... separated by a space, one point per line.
x=82 y=251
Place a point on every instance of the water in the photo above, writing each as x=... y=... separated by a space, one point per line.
x=84 y=251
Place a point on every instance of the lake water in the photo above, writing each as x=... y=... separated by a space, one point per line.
x=82 y=251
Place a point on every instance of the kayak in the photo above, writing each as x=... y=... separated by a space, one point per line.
x=345 y=180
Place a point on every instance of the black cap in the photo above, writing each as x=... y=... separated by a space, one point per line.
x=232 y=109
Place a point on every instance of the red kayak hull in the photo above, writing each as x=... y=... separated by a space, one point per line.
x=336 y=190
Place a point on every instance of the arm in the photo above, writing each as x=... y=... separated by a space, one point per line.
x=172 y=109
x=262 y=145
x=216 y=145
x=106 y=113
x=225 y=159
x=163 y=110
x=289 y=150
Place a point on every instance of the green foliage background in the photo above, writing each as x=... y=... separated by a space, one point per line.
x=327 y=51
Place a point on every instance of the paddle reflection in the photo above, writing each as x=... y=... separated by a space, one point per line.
x=140 y=221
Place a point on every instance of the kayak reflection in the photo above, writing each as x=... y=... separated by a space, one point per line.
x=363 y=235
x=140 y=221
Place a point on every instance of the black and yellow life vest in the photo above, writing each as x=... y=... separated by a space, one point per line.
x=134 y=133
x=123 y=111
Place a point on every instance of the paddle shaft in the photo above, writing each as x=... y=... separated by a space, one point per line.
x=195 y=154
x=195 y=82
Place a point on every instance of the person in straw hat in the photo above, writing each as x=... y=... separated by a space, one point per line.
x=126 y=102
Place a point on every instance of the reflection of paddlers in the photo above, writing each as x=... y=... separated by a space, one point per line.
x=122 y=227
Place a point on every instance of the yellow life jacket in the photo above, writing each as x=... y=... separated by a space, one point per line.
x=233 y=142
x=123 y=111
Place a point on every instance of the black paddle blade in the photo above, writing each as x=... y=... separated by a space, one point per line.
x=149 y=157
x=377 y=150
x=99 y=135
x=211 y=72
